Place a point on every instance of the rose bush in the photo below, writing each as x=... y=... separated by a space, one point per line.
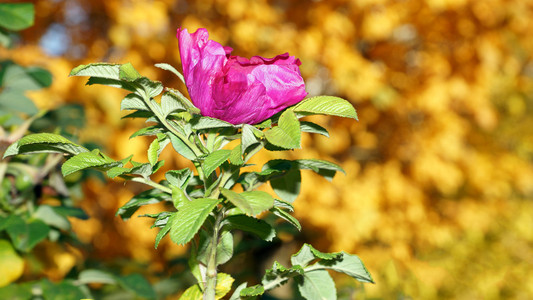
x=236 y=89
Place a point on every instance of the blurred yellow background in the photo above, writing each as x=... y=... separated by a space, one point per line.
x=437 y=200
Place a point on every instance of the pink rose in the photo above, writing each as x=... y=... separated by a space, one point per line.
x=236 y=89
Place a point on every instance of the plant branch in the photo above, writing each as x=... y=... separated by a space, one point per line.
x=211 y=273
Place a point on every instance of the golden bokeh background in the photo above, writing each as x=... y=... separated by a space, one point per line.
x=438 y=196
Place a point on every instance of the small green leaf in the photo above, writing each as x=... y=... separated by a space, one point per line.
x=322 y=167
x=199 y=123
x=348 y=264
x=252 y=291
x=249 y=136
x=317 y=285
x=190 y=218
x=44 y=142
x=279 y=275
x=170 y=68
x=128 y=73
x=326 y=105
x=214 y=160
x=144 y=198
x=236 y=156
x=153 y=152
x=249 y=224
x=96 y=276
x=185 y=102
x=100 y=70
x=287 y=186
x=146 y=131
x=164 y=231
x=178 y=197
x=308 y=253
x=311 y=127
x=251 y=203
x=87 y=160
x=182 y=148
x=287 y=134
x=179 y=178
x=133 y=101
x=286 y=216
x=170 y=104
x=16 y=16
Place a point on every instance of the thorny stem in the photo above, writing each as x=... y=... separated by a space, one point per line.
x=211 y=273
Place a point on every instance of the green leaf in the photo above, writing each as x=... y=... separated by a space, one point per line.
x=192 y=293
x=348 y=264
x=308 y=253
x=224 y=247
x=185 y=102
x=153 y=152
x=44 y=142
x=99 y=70
x=128 y=73
x=249 y=224
x=287 y=134
x=199 y=123
x=311 y=127
x=252 y=291
x=249 y=136
x=287 y=186
x=235 y=157
x=49 y=216
x=133 y=101
x=303 y=257
x=144 y=198
x=16 y=16
x=317 y=285
x=326 y=105
x=17 y=291
x=214 y=160
x=251 y=203
x=182 y=148
x=286 y=216
x=87 y=160
x=96 y=276
x=279 y=275
x=179 y=178
x=322 y=167
x=164 y=231
x=170 y=68
x=138 y=285
x=26 y=234
x=150 y=87
x=178 y=197
x=147 y=131
x=170 y=104
x=190 y=218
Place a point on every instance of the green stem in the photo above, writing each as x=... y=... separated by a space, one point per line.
x=211 y=272
x=152 y=184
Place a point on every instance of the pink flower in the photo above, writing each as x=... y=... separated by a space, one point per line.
x=236 y=89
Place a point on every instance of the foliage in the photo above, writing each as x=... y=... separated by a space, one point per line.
x=204 y=203
x=438 y=168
